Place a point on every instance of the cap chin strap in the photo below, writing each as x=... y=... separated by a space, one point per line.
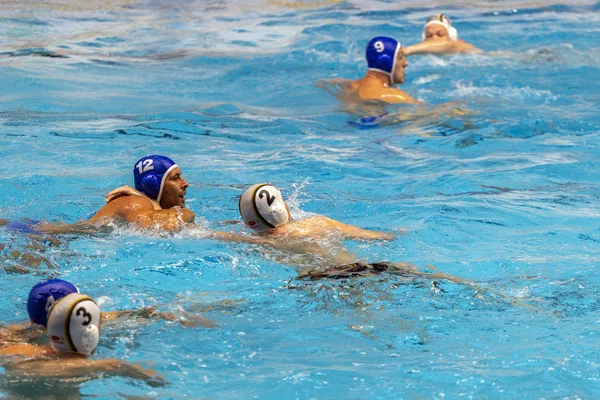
x=162 y=182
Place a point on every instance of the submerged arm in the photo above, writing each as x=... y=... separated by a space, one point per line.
x=151 y=314
x=66 y=368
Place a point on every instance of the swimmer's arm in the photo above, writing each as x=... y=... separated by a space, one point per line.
x=151 y=314
x=441 y=47
x=66 y=368
x=22 y=333
x=354 y=232
x=62 y=228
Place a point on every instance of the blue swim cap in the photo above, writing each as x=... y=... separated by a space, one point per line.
x=381 y=55
x=43 y=295
x=149 y=174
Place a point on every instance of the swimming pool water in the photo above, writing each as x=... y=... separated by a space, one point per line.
x=506 y=195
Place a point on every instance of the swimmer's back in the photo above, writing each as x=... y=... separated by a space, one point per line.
x=122 y=207
x=344 y=89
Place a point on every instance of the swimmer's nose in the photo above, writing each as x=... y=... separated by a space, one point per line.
x=185 y=184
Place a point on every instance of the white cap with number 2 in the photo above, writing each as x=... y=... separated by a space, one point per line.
x=262 y=207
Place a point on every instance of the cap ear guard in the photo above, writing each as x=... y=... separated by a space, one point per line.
x=74 y=324
x=262 y=207
x=150 y=186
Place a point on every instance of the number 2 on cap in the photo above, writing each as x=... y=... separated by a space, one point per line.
x=147 y=166
x=270 y=199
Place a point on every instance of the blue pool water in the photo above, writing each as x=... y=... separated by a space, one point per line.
x=506 y=195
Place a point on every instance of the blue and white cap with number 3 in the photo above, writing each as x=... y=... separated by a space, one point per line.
x=381 y=55
x=262 y=207
x=74 y=324
x=150 y=173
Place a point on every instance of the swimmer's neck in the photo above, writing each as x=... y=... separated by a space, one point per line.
x=380 y=77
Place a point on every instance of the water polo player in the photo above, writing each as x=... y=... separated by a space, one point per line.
x=317 y=239
x=44 y=294
x=440 y=37
x=157 y=201
x=386 y=68
x=74 y=328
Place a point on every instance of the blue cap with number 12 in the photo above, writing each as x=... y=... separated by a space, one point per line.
x=149 y=174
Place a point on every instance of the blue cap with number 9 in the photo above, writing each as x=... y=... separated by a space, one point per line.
x=381 y=55
x=150 y=173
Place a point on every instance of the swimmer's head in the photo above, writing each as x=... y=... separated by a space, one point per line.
x=74 y=324
x=439 y=26
x=43 y=295
x=150 y=174
x=262 y=207
x=383 y=54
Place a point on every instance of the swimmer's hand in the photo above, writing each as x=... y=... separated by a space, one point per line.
x=387 y=236
x=187 y=215
x=122 y=191
x=129 y=191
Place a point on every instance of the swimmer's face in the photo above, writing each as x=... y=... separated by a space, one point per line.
x=436 y=32
x=401 y=64
x=174 y=190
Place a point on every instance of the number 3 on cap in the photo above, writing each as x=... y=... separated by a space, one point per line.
x=146 y=167
x=379 y=46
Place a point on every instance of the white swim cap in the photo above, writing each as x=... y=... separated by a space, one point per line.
x=74 y=324
x=262 y=207
x=442 y=19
